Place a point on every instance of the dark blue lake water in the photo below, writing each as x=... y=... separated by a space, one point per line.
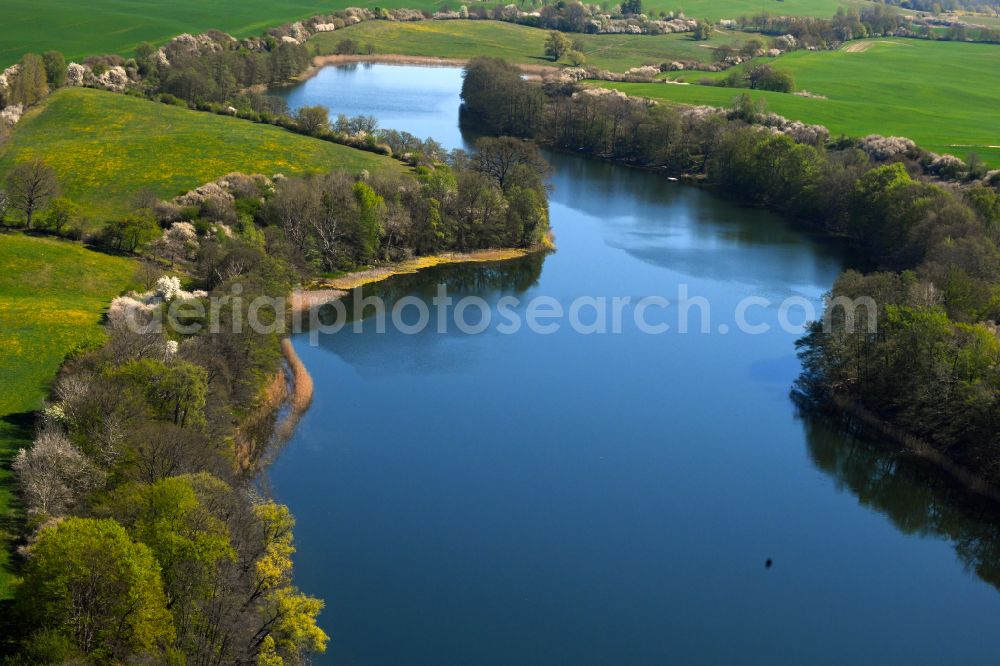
x=612 y=498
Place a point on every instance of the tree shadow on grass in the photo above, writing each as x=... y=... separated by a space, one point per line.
x=16 y=430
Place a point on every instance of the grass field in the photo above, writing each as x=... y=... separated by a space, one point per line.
x=105 y=147
x=940 y=94
x=713 y=10
x=518 y=43
x=52 y=294
x=116 y=26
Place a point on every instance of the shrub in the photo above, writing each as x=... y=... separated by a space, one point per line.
x=347 y=46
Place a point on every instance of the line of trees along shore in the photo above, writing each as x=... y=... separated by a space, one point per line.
x=931 y=224
x=147 y=542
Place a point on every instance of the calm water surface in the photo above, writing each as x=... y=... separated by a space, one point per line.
x=612 y=499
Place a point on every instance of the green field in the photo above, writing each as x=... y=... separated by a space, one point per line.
x=52 y=295
x=713 y=10
x=105 y=147
x=940 y=94
x=116 y=26
x=518 y=43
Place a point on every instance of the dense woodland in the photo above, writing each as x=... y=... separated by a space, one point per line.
x=930 y=223
x=148 y=543
x=871 y=21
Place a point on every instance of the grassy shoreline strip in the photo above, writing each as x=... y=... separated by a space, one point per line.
x=357 y=279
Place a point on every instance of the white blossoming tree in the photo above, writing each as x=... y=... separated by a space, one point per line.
x=53 y=474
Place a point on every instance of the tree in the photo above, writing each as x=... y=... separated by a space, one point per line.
x=4 y=205
x=500 y=159
x=89 y=582
x=631 y=7
x=347 y=46
x=131 y=233
x=291 y=624
x=30 y=187
x=371 y=218
x=702 y=31
x=188 y=541
x=55 y=69
x=778 y=80
x=576 y=58
x=494 y=91
x=765 y=77
x=751 y=47
x=53 y=474
x=976 y=167
x=175 y=392
x=556 y=44
x=145 y=58
x=313 y=120
x=30 y=85
x=61 y=216
x=747 y=108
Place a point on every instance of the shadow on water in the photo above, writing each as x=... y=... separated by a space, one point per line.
x=487 y=279
x=916 y=497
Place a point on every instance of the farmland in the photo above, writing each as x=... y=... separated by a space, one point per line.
x=932 y=92
x=713 y=10
x=106 y=147
x=116 y=26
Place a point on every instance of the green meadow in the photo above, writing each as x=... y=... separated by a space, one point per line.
x=52 y=296
x=106 y=147
x=115 y=26
x=939 y=94
x=714 y=10
x=518 y=43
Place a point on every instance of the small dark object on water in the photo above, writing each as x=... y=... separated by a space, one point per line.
x=768 y=563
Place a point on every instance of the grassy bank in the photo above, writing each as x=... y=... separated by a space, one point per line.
x=106 y=147
x=355 y=279
x=52 y=295
x=518 y=43
x=936 y=93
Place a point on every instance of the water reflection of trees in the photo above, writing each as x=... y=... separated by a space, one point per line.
x=916 y=497
x=487 y=280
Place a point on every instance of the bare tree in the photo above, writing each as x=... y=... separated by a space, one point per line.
x=30 y=187
x=293 y=203
x=148 y=273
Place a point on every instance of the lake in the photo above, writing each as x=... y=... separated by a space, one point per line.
x=612 y=498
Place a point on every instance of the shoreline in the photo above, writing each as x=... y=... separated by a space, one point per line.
x=299 y=389
x=321 y=61
x=299 y=392
x=967 y=478
x=323 y=290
